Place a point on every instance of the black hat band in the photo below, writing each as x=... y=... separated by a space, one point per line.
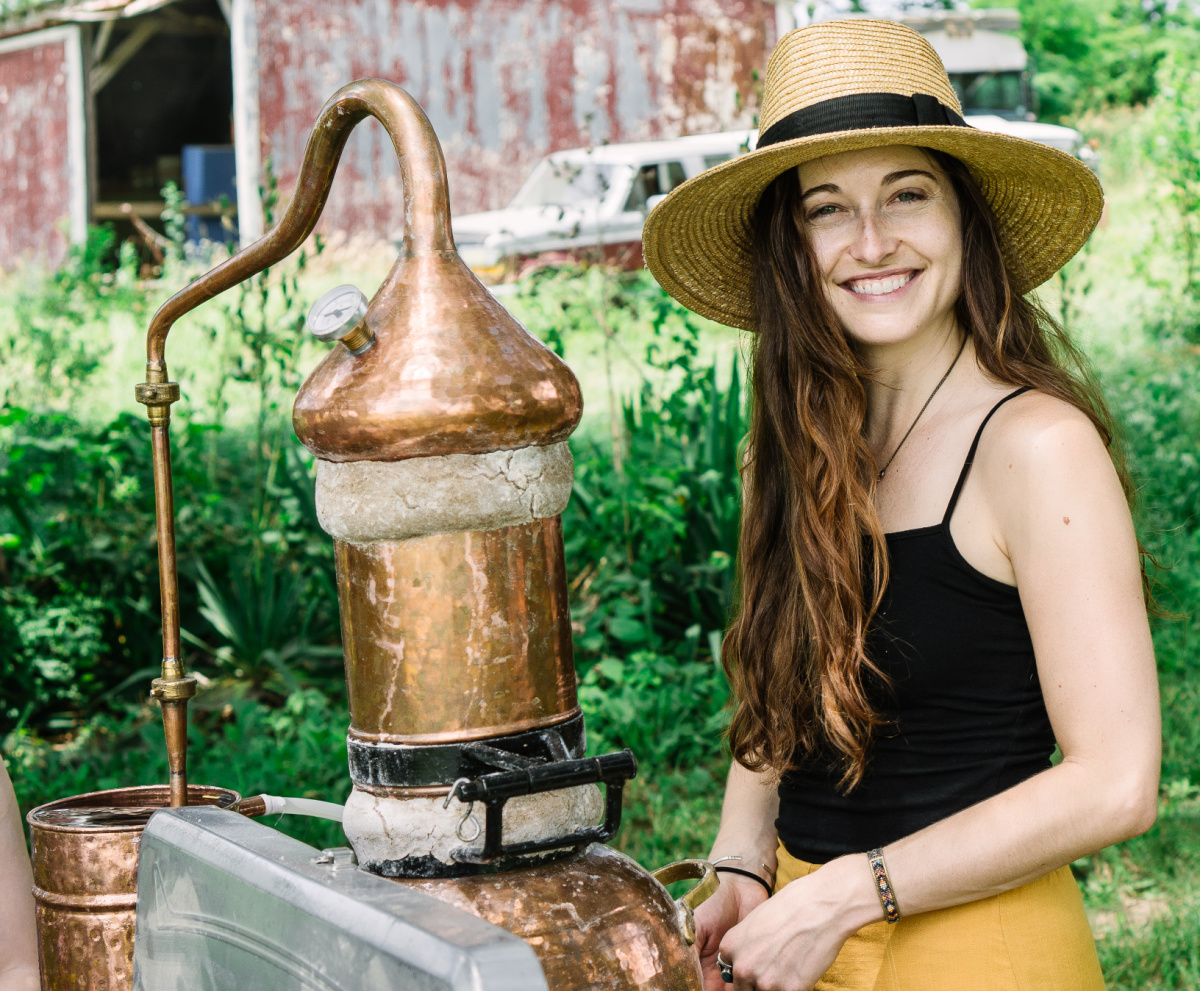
x=861 y=111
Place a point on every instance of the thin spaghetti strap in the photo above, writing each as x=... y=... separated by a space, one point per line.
x=966 y=468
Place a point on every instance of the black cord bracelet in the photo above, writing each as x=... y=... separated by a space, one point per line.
x=722 y=869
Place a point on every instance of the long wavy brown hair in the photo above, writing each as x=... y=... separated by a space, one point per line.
x=808 y=583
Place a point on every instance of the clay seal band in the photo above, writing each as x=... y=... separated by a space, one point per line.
x=861 y=111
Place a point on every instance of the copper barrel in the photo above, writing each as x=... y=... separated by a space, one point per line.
x=85 y=884
x=457 y=636
x=596 y=921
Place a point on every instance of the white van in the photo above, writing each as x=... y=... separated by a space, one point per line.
x=588 y=201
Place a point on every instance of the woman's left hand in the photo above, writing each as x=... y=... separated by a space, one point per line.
x=788 y=942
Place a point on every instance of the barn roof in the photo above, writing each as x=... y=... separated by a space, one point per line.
x=23 y=16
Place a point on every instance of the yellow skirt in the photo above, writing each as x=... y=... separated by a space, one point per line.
x=1033 y=938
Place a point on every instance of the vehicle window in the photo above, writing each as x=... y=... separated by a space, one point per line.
x=992 y=91
x=711 y=160
x=563 y=183
x=654 y=180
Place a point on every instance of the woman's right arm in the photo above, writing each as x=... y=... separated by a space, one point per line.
x=747 y=831
x=18 y=931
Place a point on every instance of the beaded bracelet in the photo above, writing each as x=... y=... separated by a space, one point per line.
x=883 y=884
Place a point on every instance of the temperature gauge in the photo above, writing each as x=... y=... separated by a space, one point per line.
x=338 y=316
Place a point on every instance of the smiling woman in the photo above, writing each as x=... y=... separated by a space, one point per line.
x=917 y=627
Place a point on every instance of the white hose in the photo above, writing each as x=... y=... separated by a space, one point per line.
x=303 y=807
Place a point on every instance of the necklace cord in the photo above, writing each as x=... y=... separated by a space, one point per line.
x=921 y=412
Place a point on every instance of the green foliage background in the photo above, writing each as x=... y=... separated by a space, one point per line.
x=1092 y=54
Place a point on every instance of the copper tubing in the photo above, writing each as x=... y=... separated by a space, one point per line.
x=427 y=231
x=252 y=807
x=173 y=688
x=175 y=727
x=164 y=508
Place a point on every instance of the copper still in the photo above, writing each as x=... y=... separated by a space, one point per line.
x=85 y=881
x=439 y=425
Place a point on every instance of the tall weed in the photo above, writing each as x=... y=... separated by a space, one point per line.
x=1174 y=148
x=49 y=345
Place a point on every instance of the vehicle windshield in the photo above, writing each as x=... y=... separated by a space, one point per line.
x=564 y=183
x=1001 y=93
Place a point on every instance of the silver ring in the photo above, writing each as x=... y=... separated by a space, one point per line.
x=725 y=968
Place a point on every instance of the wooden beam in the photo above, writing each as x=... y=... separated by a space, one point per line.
x=100 y=45
x=102 y=74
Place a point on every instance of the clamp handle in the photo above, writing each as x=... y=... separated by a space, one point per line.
x=494 y=790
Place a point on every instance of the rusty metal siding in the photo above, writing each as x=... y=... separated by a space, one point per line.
x=504 y=82
x=41 y=168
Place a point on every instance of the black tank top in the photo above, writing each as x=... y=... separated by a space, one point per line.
x=966 y=718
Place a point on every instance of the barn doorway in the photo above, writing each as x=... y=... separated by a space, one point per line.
x=162 y=103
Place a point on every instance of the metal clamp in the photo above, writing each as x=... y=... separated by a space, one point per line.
x=494 y=790
x=397 y=765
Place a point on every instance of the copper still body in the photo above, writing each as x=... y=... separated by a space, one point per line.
x=85 y=881
x=445 y=592
x=439 y=425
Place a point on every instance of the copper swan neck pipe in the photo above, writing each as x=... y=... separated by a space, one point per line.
x=426 y=231
x=426 y=202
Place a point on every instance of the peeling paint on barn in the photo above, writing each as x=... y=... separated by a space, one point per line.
x=41 y=145
x=504 y=82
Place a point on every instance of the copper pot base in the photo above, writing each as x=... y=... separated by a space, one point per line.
x=596 y=921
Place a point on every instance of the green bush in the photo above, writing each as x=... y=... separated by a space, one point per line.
x=1090 y=54
x=1174 y=150
x=47 y=356
x=51 y=650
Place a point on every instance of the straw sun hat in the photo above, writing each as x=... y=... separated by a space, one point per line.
x=841 y=86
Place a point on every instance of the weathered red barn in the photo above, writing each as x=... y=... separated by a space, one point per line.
x=99 y=97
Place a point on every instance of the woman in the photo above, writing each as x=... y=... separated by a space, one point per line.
x=18 y=935
x=939 y=577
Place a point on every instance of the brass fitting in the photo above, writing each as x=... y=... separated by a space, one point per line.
x=173 y=689
x=359 y=339
x=157 y=397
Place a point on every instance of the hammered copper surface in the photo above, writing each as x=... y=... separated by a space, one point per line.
x=457 y=636
x=451 y=372
x=85 y=885
x=596 y=921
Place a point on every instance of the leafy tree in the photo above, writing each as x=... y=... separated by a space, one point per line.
x=1089 y=54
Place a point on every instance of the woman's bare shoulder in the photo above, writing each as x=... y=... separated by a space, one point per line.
x=1040 y=443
